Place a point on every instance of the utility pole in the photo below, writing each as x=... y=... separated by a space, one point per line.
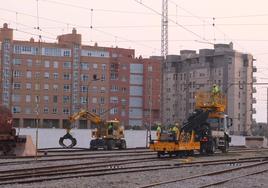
x=164 y=28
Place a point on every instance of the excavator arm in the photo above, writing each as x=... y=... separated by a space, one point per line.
x=94 y=118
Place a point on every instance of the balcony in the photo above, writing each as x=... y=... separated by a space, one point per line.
x=254 y=80
x=254 y=101
x=254 y=90
x=253 y=110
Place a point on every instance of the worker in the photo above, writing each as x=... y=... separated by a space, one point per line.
x=158 y=129
x=158 y=132
x=215 y=91
x=110 y=128
x=175 y=131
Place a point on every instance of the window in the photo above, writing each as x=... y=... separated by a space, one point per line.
x=67 y=65
x=65 y=111
x=46 y=74
x=103 y=67
x=84 y=66
x=113 y=111
x=46 y=86
x=16 y=85
x=66 y=88
x=46 y=64
x=46 y=98
x=94 y=100
x=28 y=110
x=83 y=100
x=124 y=67
x=37 y=86
x=84 y=89
x=123 y=101
x=55 y=98
x=28 y=98
x=56 y=64
x=29 y=62
x=45 y=110
x=66 y=53
x=150 y=68
x=84 y=77
x=37 y=75
x=55 y=75
x=28 y=74
x=54 y=110
x=102 y=90
x=114 y=76
x=66 y=76
x=16 y=74
x=16 y=61
x=28 y=86
x=66 y=99
x=114 y=88
x=102 y=100
x=103 y=77
x=37 y=99
x=16 y=98
x=94 y=89
x=95 y=66
x=55 y=86
x=16 y=109
x=114 y=100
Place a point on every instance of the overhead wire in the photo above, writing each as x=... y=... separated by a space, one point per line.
x=75 y=25
x=175 y=22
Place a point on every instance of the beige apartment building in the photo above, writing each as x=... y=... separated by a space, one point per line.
x=51 y=81
x=189 y=72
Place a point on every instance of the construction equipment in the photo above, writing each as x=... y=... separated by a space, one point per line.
x=205 y=130
x=107 y=134
x=8 y=138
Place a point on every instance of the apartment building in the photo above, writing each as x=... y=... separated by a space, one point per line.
x=189 y=72
x=51 y=81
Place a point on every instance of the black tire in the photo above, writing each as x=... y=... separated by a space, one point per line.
x=202 y=149
x=226 y=147
x=190 y=153
x=159 y=154
x=123 y=144
x=212 y=147
x=110 y=144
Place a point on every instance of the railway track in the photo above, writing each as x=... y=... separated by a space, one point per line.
x=237 y=170
x=76 y=157
x=99 y=155
x=33 y=175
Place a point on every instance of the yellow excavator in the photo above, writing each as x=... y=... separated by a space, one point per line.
x=107 y=134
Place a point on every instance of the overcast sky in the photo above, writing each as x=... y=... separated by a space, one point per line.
x=130 y=24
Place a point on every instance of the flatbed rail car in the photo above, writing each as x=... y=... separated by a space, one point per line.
x=205 y=130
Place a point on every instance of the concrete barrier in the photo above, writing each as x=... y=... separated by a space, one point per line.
x=256 y=141
x=25 y=149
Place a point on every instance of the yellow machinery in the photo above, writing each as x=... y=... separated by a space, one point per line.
x=205 y=130
x=106 y=135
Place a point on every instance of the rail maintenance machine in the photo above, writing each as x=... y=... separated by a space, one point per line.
x=107 y=134
x=205 y=130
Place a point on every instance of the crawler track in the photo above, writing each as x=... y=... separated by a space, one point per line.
x=33 y=175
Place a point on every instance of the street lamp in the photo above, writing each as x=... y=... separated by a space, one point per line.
x=94 y=79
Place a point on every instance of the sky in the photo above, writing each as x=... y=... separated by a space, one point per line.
x=136 y=24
